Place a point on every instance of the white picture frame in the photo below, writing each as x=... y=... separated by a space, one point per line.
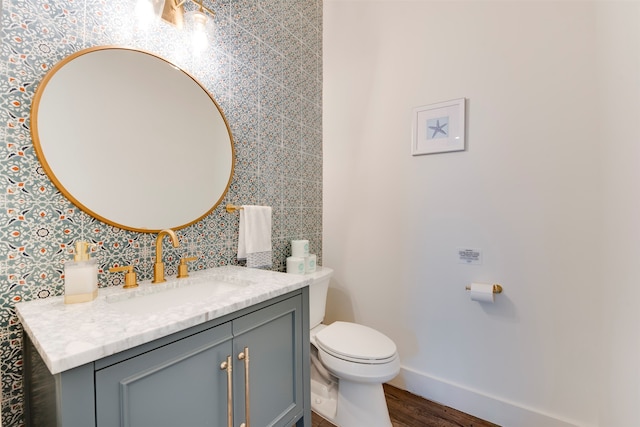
x=438 y=128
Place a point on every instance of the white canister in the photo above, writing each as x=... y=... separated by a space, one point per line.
x=295 y=265
x=299 y=248
x=310 y=263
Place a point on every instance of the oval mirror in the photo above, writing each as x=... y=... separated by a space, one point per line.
x=131 y=139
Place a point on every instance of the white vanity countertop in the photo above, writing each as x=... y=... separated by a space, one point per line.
x=70 y=335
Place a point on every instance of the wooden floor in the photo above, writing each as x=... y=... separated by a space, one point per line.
x=409 y=410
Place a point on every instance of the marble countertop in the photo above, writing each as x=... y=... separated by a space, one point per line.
x=70 y=335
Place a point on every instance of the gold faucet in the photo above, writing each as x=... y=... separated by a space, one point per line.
x=158 y=268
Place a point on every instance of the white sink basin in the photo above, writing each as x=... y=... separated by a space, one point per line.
x=152 y=298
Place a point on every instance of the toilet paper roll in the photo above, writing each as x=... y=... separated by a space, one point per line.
x=482 y=292
x=295 y=265
x=310 y=263
x=299 y=248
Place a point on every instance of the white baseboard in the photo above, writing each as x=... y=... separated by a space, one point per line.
x=476 y=403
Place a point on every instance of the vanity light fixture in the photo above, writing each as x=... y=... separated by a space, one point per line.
x=197 y=22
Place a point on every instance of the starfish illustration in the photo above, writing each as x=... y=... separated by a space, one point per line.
x=438 y=128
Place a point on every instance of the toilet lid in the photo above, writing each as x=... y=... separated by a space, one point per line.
x=356 y=342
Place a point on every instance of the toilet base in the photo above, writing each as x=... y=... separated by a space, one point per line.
x=350 y=404
x=324 y=400
x=361 y=404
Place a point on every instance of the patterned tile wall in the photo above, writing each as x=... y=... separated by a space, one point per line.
x=264 y=69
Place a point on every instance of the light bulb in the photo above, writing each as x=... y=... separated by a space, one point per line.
x=147 y=11
x=200 y=28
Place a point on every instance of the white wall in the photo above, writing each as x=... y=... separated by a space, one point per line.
x=619 y=72
x=547 y=188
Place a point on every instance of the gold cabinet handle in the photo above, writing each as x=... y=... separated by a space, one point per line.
x=247 y=411
x=226 y=366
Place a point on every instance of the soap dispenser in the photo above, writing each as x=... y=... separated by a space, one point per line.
x=80 y=276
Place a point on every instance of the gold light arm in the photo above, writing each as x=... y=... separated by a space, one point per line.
x=200 y=6
x=226 y=366
x=247 y=407
x=174 y=12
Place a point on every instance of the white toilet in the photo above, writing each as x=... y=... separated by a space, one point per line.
x=349 y=363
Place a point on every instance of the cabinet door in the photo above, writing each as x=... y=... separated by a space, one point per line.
x=179 y=384
x=273 y=336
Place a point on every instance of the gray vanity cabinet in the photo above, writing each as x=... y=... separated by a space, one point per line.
x=179 y=381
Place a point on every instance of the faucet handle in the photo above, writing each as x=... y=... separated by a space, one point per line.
x=183 y=270
x=130 y=279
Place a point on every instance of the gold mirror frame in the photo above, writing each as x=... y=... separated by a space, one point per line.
x=111 y=145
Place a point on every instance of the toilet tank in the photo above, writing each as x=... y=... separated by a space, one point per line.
x=318 y=294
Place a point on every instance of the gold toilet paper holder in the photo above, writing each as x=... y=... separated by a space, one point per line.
x=497 y=289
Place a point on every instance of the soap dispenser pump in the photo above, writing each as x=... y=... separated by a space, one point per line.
x=80 y=276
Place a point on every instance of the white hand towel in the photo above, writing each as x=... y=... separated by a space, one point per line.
x=254 y=236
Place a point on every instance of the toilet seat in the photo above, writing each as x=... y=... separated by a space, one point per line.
x=356 y=343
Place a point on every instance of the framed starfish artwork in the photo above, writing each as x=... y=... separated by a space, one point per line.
x=438 y=128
